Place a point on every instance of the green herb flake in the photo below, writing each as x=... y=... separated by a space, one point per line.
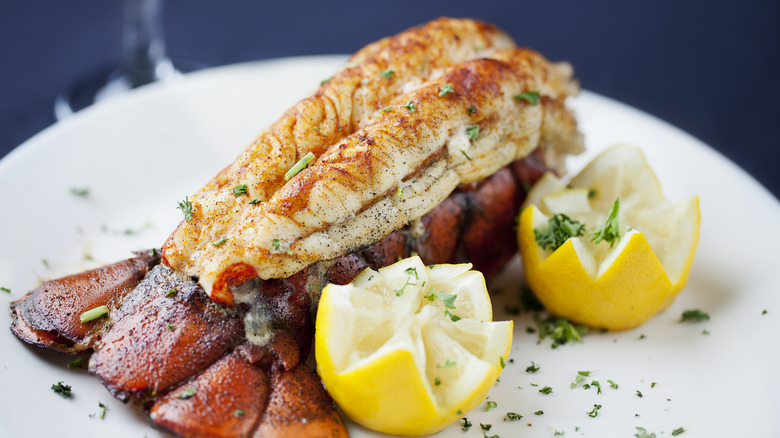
x=171 y=293
x=532 y=368
x=76 y=363
x=410 y=106
x=325 y=81
x=594 y=412
x=560 y=330
x=612 y=384
x=93 y=314
x=511 y=416
x=705 y=332
x=764 y=312
x=437 y=381
x=678 y=431
x=388 y=109
x=559 y=433
x=387 y=74
x=61 y=389
x=447 y=364
x=446 y=89
x=254 y=202
x=466 y=155
x=186 y=208
x=300 y=165
x=275 y=244
x=642 y=433
x=473 y=132
x=502 y=362
x=694 y=315
x=238 y=413
x=608 y=232
x=652 y=385
x=490 y=405
x=171 y=327
x=546 y=390
x=187 y=393
x=472 y=110
x=80 y=192
x=5 y=289
x=102 y=410
x=240 y=189
x=485 y=427
x=539 y=412
x=220 y=241
x=639 y=393
x=466 y=424
x=559 y=229
x=531 y=97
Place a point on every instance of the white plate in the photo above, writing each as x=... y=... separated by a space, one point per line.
x=141 y=153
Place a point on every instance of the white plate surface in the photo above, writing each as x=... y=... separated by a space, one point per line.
x=142 y=152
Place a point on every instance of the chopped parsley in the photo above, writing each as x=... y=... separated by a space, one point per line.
x=502 y=362
x=389 y=73
x=93 y=314
x=466 y=155
x=325 y=81
x=594 y=412
x=399 y=292
x=561 y=331
x=466 y=424
x=410 y=106
x=171 y=293
x=546 y=390
x=531 y=97
x=171 y=327
x=472 y=110
x=437 y=381
x=559 y=229
x=102 y=410
x=5 y=289
x=485 y=427
x=61 y=389
x=300 y=165
x=639 y=393
x=678 y=431
x=80 y=192
x=186 y=208
x=239 y=413
x=532 y=368
x=612 y=384
x=187 y=393
x=490 y=405
x=220 y=241
x=609 y=231
x=539 y=412
x=472 y=132
x=387 y=109
x=579 y=379
x=511 y=416
x=447 y=364
x=240 y=189
x=275 y=243
x=76 y=363
x=694 y=315
x=591 y=193
x=254 y=202
x=642 y=433
x=445 y=89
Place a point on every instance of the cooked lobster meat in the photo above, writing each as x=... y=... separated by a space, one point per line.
x=423 y=145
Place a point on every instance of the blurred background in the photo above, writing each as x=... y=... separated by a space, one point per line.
x=709 y=68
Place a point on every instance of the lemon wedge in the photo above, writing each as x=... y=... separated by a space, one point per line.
x=616 y=284
x=409 y=349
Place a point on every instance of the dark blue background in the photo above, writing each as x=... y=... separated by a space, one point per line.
x=708 y=67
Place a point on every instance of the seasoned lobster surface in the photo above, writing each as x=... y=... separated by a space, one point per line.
x=218 y=349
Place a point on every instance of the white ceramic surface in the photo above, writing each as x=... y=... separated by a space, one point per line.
x=142 y=152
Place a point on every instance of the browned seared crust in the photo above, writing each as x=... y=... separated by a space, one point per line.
x=405 y=161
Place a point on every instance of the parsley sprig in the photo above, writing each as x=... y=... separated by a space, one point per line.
x=609 y=231
x=560 y=228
